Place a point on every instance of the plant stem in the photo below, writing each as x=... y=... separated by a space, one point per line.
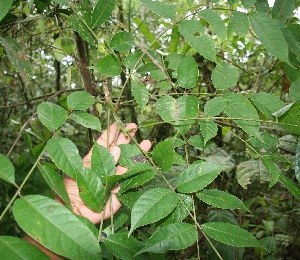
x=18 y=192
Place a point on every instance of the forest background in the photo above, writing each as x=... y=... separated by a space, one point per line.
x=215 y=86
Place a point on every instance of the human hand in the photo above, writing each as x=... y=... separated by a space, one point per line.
x=109 y=139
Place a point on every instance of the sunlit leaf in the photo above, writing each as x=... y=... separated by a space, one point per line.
x=18 y=249
x=220 y=199
x=237 y=106
x=65 y=155
x=267 y=103
x=216 y=23
x=51 y=115
x=187 y=72
x=6 y=4
x=203 y=43
x=289 y=118
x=209 y=129
x=163 y=154
x=109 y=66
x=175 y=236
x=7 y=170
x=102 y=162
x=269 y=33
x=122 y=41
x=224 y=75
x=214 y=106
x=55 y=227
x=55 y=182
x=283 y=9
x=230 y=234
x=122 y=246
x=239 y=24
x=160 y=8
x=80 y=100
x=141 y=95
x=152 y=206
x=197 y=176
x=87 y=120
x=91 y=189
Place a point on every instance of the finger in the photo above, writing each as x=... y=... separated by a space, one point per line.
x=122 y=139
x=145 y=145
x=116 y=153
x=108 y=136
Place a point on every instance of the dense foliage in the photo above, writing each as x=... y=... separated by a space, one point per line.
x=215 y=86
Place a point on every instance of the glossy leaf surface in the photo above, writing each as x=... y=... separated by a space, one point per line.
x=55 y=227
x=152 y=206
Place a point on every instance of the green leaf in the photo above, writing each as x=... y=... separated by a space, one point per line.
x=143 y=29
x=87 y=120
x=152 y=206
x=250 y=171
x=55 y=227
x=220 y=199
x=216 y=23
x=289 y=118
x=77 y=23
x=65 y=155
x=237 y=106
x=197 y=141
x=122 y=246
x=267 y=103
x=6 y=4
x=17 y=57
x=109 y=66
x=239 y=24
x=262 y=6
x=122 y=41
x=272 y=169
x=163 y=154
x=177 y=110
x=269 y=33
x=187 y=72
x=248 y=3
x=142 y=175
x=80 y=100
x=55 y=182
x=101 y=12
x=224 y=75
x=162 y=9
x=63 y=46
x=91 y=189
x=184 y=206
x=164 y=85
x=51 y=115
x=295 y=90
x=174 y=42
x=102 y=162
x=297 y=162
x=197 y=176
x=7 y=170
x=230 y=234
x=175 y=236
x=214 y=106
x=141 y=94
x=283 y=9
x=128 y=154
x=158 y=75
x=18 y=249
x=209 y=129
x=290 y=185
x=203 y=43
